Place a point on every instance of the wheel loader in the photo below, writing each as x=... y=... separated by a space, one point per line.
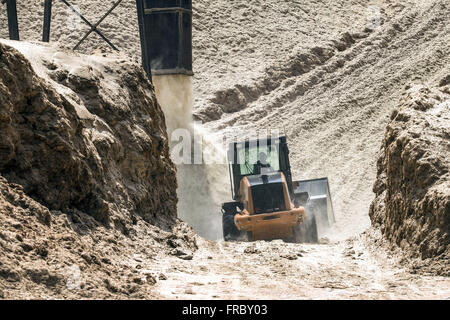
x=268 y=204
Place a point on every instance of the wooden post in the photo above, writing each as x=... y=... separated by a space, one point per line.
x=47 y=20
x=13 y=25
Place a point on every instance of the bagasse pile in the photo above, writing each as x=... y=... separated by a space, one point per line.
x=101 y=147
x=86 y=183
x=412 y=204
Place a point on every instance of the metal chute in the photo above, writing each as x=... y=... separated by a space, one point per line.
x=166 y=36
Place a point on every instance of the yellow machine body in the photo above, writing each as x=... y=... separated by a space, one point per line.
x=267 y=226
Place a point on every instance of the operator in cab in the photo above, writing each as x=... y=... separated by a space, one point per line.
x=262 y=166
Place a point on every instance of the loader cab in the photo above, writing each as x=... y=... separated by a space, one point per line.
x=258 y=158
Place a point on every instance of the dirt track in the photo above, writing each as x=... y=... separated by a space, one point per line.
x=276 y=270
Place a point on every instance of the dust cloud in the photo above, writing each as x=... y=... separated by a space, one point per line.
x=202 y=182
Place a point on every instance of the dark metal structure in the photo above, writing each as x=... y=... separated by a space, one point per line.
x=13 y=25
x=93 y=27
x=47 y=20
x=165 y=28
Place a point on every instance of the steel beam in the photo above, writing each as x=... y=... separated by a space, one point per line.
x=13 y=25
x=47 y=20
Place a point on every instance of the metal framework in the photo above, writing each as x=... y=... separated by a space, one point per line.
x=165 y=29
x=93 y=27
x=13 y=26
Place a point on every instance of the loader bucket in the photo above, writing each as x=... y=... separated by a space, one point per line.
x=319 y=199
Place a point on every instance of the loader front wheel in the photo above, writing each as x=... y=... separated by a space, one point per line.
x=230 y=231
x=311 y=230
x=306 y=231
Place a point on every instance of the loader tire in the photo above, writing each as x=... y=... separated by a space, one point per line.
x=306 y=231
x=230 y=231
x=311 y=230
